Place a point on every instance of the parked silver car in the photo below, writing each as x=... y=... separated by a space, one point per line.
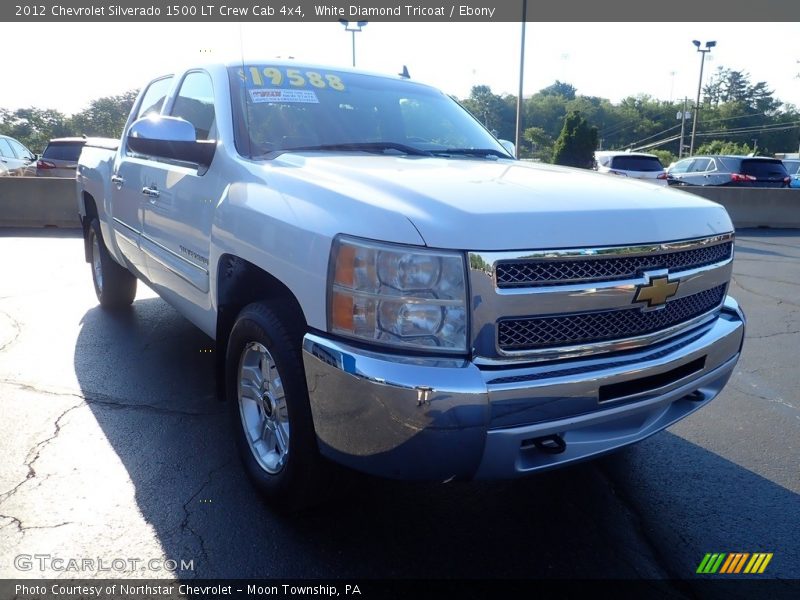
x=60 y=158
x=15 y=158
x=729 y=170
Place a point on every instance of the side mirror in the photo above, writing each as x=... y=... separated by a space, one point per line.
x=509 y=146
x=170 y=138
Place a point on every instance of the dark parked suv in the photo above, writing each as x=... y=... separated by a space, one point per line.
x=738 y=171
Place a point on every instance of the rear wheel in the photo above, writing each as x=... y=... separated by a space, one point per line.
x=268 y=401
x=114 y=285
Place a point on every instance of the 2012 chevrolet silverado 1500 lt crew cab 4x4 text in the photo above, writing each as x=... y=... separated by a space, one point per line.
x=390 y=289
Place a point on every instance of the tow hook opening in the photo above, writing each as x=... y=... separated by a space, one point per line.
x=549 y=444
x=696 y=396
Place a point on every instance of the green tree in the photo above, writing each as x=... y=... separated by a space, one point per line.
x=559 y=88
x=665 y=156
x=497 y=113
x=576 y=145
x=541 y=144
x=105 y=117
x=724 y=147
x=730 y=85
x=34 y=126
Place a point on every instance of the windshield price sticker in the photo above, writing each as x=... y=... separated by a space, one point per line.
x=282 y=95
x=275 y=77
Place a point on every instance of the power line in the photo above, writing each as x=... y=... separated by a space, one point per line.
x=725 y=132
x=652 y=136
x=633 y=121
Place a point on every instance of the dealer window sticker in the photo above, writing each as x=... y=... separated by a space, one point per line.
x=283 y=96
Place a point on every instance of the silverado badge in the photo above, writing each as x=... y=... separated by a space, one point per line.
x=656 y=292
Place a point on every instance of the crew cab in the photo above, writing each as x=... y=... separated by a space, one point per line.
x=390 y=289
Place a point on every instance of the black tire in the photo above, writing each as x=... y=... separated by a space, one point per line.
x=114 y=285
x=296 y=482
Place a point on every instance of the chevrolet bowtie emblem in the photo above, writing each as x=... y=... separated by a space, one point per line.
x=656 y=292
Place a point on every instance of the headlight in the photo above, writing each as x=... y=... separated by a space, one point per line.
x=398 y=295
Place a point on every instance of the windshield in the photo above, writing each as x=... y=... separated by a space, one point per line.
x=279 y=108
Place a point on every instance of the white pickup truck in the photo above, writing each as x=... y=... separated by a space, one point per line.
x=390 y=289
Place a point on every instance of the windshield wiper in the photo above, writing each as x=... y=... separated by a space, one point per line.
x=482 y=152
x=379 y=147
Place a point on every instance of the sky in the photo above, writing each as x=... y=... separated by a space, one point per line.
x=66 y=65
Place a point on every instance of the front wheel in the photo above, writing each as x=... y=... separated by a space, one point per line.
x=268 y=400
x=114 y=285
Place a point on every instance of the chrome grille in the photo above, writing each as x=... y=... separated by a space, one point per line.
x=539 y=272
x=530 y=333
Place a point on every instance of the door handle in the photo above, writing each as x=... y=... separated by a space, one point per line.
x=152 y=192
x=117 y=180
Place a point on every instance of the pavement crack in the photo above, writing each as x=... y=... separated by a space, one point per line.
x=185 y=526
x=770 y=279
x=17 y=328
x=89 y=398
x=778 y=244
x=23 y=528
x=752 y=394
x=778 y=299
x=34 y=454
x=771 y=335
x=85 y=399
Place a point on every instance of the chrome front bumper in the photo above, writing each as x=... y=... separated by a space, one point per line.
x=436 y=418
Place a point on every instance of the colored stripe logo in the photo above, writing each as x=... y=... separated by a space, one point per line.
x=729 y=563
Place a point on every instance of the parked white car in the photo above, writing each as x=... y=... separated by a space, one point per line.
x=636 y=165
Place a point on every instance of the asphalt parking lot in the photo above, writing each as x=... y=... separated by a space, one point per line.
x=114 y=446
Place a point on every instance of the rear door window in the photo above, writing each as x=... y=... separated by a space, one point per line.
x=699 y=165
x=21 y=151
x=5 y=148
x=681 y=166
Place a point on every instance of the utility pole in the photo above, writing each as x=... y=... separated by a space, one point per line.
x=683 y=125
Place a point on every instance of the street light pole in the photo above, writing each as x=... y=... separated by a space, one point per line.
x=703 y=52
x=353 y=27
x=518 y=133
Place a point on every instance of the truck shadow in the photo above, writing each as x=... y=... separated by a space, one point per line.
x=147 y=375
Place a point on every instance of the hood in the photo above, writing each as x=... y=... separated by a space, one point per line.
x=481 y=204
